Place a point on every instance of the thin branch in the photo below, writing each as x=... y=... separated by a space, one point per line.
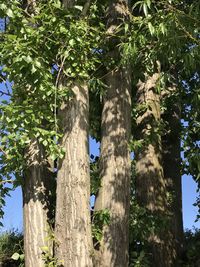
x=57 y=84
x=7 y=181
x=1 y=149
x=6 y=85
x=5 y=93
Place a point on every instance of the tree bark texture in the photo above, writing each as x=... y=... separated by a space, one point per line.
x=150 y=183
x=38 y=207
x=171 y=156
x=68 y=3
x=73 y=224
x=115 y=164
x=38 y=196
x=114 y=193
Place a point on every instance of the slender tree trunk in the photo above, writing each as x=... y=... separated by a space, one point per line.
x=150 y=183
x=37 y=204
x=115 y=165
x=171 y=156
x=74 y=246
x=38 y=196
x=73 y=226
x=68 y=3
x=114 y=193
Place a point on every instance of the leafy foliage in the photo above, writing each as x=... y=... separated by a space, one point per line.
x=11 y=247
x=37 y=52
x=100 y=219
x=192 y=246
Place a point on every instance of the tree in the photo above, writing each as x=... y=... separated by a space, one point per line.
x=114 y=191
x=38 y=185
x=163 y=184
x=72 y=222
x=38 y=205
x=150 y=183
x=171 y=158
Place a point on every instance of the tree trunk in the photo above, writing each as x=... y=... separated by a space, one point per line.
x=150 y=183
x=115 y=165
x=37 y=204
x=68 y=3
x=73 y=226
x=38 y=196
x=171 y=156
x=114 y=193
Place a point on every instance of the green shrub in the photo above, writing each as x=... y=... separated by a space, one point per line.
x=10 y=242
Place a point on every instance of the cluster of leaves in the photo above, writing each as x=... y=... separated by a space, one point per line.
x=168 y=32
x=191 y=256
x=48 y=258
x=94 y=175
x=11 y=248
x=37 y=51
x=100 y=219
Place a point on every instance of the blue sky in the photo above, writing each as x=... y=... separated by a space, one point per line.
x=13 y=211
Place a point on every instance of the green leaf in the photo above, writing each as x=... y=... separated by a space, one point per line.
x=54 y=156
x=145 y=9
x=37 y=64
x=22 y=256
x=149 y=3
x=71 y=42
x=63 y=29
x=151 y=28
x=3 y=7
x=126 y=28
x=29 y=111
x=57 y=4
x=28 y=59
x=46 y=249
x=15 y=256
x=163 y=29
x=79 y=7
x=45 y=143
x=10 y=13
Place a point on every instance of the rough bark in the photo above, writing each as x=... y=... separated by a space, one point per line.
x=68 y=3
x=38 y=195
x=171 y=156
x=150 y=182
x=38 y=207
x=72 y=228
x=114 y=192
x=73 y=224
